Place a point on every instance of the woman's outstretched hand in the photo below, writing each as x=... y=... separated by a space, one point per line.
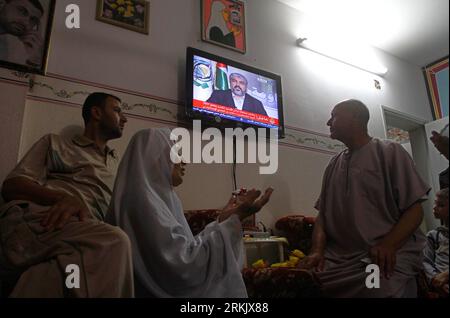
x=245 y=203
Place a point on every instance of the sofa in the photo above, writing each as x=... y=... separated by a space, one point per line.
x=273 y=282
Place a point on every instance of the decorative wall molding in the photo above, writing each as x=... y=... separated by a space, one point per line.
x=13 y=77
x=72 y=92
x=312 y=141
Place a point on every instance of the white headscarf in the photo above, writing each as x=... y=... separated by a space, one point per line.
x=217 y=20
x=168 y=260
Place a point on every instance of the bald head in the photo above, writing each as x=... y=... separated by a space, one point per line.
x=357 y=110
x=348 y=121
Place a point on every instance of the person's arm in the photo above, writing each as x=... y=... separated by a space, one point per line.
x=429 y=256
x=21 y=188
x=26 y=182
x=63 y=205
x=316 y=258
x=384 y=253
x=441 y=143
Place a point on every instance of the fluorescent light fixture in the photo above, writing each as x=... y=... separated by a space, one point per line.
x=358 y=56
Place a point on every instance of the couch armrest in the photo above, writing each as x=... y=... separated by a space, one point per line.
x=298 y=230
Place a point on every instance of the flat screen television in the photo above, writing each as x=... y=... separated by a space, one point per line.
x=225 y=93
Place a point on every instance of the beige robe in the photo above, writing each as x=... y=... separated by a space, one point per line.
x=363 y=196
x=100 y=251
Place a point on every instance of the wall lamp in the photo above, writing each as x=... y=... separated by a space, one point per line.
x=351 y=54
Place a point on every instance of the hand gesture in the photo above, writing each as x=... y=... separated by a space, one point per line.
x=384 y=255
x=61 y=212
x=246 y=203
x=440 y=142
x=440 y=283
x=314 y=260
x=249 y=202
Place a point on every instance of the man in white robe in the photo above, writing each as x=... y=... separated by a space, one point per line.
x=369 y=213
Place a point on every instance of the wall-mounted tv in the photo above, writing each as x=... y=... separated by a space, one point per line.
x=226 y=93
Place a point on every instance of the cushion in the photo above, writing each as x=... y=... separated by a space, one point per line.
x=298 y=230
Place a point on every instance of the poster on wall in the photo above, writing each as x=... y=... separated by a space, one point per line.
x=131 y=14
x=25 y=28
x=223 y=23
x=437 y=79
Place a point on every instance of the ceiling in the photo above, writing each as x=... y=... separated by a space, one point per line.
x=414 y=30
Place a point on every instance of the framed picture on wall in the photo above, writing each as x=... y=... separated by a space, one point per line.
x=24 y=43
x=129 y=14
x=436 y=76
x=223 y=23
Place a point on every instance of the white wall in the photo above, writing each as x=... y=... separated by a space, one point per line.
x=102 y=54
x=11 y=117
x=154 y=64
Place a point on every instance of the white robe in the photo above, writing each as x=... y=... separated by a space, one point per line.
x=168 y=260
x=216 y=19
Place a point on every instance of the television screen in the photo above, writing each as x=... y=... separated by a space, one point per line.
x=232 y=94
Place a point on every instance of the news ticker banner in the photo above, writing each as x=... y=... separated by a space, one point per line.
x=63 y=90
x=236 y=113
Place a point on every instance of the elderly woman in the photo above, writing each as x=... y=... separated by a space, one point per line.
x=169 y=261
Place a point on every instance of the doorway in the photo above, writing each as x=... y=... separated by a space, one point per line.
x=412 y=134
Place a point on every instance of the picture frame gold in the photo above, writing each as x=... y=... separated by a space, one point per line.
x=437 y=77
x=131 y=14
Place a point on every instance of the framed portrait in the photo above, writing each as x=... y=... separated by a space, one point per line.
x=223 y=23
x=24 y=43
x=129 y=14
x=436 y=77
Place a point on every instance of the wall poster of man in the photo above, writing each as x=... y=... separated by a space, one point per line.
x=223 y=23
x=25 y=28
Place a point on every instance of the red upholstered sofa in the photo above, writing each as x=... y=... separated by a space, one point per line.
x=273 y=282
x=286 y=282
x=260 y=283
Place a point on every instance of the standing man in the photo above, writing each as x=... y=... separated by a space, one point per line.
x=20 y=35
x=237 y=96
x=57 y=198
x=369 y=213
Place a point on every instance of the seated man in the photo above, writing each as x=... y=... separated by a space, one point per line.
x=436 y=250
x=57 y=197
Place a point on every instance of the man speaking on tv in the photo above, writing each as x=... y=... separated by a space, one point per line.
x=237 y=96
